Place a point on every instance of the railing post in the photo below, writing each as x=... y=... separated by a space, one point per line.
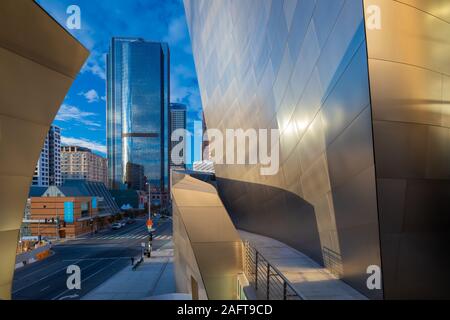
x=256 y=270
x=284 y=290
x=268 y=281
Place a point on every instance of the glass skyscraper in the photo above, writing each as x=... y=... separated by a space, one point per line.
x=138 y=91
x=177 y=121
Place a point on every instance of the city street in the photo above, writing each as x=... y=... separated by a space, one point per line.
x=99 y=257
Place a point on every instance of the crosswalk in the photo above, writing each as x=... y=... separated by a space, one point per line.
x=127 y=236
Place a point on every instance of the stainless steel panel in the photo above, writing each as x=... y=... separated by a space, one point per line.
x=347 y=37
x=301 y=67
x=409 y=67
x=446 y=102
x=309 y=104
x=352 y=151
x=391 y=204
x=355 y=202
x=410 y=36
x=208 y=247
x=300 y=21
x=348 y=98
x=438 y=8
x=216 y=229
x=313 y=143
x=421 y=256
x=359 y=249
x=400 y=149
x=325 y=15
x=427 y=206
x=417 y=100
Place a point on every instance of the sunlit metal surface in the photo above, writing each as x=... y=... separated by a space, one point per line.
x=409 y=64
x=38 y=62
x=300 y=67
x=208 y=248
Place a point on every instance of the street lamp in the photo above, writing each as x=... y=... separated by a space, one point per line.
x=149 y=201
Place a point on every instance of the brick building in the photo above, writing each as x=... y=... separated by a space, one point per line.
x=65 y=212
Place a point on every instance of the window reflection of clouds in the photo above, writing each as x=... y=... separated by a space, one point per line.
x=142 y=95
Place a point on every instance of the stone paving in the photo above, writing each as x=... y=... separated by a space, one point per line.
x=308 y=278
x=154 y=277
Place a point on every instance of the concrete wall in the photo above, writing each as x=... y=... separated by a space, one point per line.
x=38 y=62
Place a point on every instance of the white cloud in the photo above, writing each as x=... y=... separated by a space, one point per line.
x=96 y=65
x=184 y=93
x=73 y=114
x=181 y=70
x=91 y=96
x=93 y=145
x=177 y=31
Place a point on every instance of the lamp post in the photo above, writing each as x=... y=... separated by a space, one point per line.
x=149 y=201
x=57 y=224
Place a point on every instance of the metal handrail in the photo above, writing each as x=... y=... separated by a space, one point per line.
x=268 y=282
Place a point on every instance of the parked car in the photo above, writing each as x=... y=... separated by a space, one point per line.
x=116 y=226
x=123 y=223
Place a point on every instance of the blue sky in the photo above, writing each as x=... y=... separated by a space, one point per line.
x=82 y=116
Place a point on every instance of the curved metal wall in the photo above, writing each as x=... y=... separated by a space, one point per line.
x=208 y=247
x=300 y=67
x=409 y=63
x=38 y=62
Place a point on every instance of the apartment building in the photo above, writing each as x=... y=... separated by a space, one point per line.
x=48 y=168
x=79 y=163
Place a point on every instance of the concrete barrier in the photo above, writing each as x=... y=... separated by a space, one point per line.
x=33 y=256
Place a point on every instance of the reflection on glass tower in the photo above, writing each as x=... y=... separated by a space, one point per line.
x=137 y=114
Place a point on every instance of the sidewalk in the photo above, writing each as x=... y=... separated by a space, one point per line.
x=309 y=279
x=154 y=277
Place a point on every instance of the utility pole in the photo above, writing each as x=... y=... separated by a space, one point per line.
x=57 y=224
x=149 y=201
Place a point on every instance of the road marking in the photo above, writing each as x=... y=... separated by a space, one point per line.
x=45 y=288
x=73 y=296
x=63 y=246
x=47 y=276
x=37 y=270
x=99 y=259
x=107 y=266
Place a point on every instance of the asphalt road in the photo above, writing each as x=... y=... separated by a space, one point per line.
x=99 y=257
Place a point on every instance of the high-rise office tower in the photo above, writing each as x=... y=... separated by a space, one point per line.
x=205 y=145
x=138 y=90
x=177 y=121
x=48 y=168
x=78 y=163
x=362 y=110
x=54 y=155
